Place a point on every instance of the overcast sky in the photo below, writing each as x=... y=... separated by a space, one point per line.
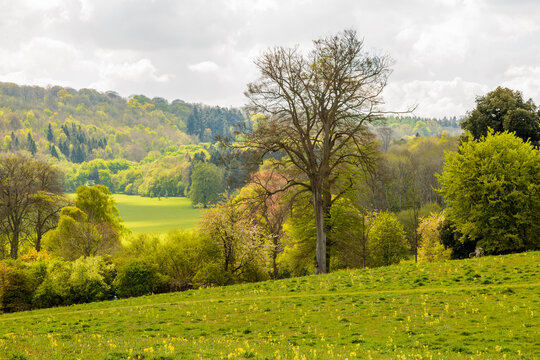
x=446 y=52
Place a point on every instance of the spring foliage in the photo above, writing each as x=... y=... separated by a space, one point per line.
x=387 y=241
x=430 y=248
x=492 y=188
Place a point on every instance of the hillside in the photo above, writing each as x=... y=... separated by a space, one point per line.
x=480 y=308
x=136 y=146
x=81 y=125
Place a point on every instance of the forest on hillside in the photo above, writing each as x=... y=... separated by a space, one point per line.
x=143 y=146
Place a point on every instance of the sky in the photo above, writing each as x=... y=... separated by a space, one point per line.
x=445 y=52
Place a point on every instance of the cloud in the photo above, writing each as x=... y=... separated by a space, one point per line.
x=204 y=67
x=110 y=67
x=434 y=98
x=525 y=79
x=446 y=52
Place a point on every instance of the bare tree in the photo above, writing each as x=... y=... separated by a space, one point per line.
x=385 y=133
x=316 y=109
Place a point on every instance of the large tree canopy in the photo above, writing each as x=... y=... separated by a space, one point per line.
x=504 y=109
x=492 y=188
x=316 y=108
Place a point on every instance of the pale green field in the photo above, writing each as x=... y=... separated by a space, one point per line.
x=152 y=215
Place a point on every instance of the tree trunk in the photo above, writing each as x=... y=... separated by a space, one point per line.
x=320 y=254
x=364 y=241
x=275 y=240
x=14 y=251
x=327 y=204
x=38 y=241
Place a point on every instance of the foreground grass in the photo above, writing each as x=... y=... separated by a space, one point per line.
x=153 y=215
x=472 y=309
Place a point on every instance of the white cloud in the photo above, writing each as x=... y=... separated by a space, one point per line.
x=525 y=79
x=434 y=98
x=204 y=67
x=137 y=71
x=446 y=51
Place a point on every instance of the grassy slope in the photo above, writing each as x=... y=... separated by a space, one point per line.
x=472 y=309
x=153 y=215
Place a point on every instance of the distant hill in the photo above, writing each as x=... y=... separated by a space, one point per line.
x=81 y=125
x=138 y=145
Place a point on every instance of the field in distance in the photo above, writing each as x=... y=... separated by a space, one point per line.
x=153 y=215
x=483 y=308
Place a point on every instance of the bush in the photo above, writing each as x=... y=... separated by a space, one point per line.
x=87 y=279
x=17 y=293
x=181 y=256
x=136 y=278
x=212 y=274
x=431 y=248
x=55 y=289
x=387 y=243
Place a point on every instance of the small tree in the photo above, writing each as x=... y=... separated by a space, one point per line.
x=387 y=242
x=206 y=184
x=431 y=248
x=243 y=244
x=29 y=190
x=91 y=227
x=492 y=188
x=267 y=208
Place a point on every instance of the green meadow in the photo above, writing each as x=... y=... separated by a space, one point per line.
x=153 y=215
x=484 y=308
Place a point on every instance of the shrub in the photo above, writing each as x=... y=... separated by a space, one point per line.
x=17 y=293
x=136 y=278
x=87 y=279
x=387 y=242
x=55 y=289
x=430 y=248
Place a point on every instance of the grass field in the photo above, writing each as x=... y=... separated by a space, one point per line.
x=483 y=308
x=152 y=215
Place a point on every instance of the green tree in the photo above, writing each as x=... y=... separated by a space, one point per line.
x=206 y=184
x=91 y=227
x=492 y=188
x=243 y=244
x=31 y=144
x=99 y=205
x=504 y=109
x=387 y=242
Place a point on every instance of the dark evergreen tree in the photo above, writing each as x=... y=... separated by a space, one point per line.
x=54 y=152
x=193 y=121
x=31 y=144
x=50 y=136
